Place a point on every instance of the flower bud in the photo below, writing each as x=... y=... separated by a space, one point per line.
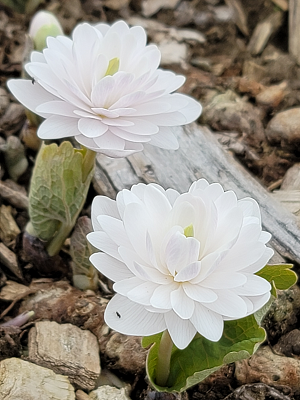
x=43 y=24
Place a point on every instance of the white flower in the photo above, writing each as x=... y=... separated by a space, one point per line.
x=185 y=262
x=104 y=87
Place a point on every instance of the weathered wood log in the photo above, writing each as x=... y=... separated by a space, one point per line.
x=200 y=155
x=294 y=29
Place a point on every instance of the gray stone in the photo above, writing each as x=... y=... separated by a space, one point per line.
x=67 y=350
x=284 y=128
x=151 y=7
x=108 y=393
x=21 y=379
x=267 y=367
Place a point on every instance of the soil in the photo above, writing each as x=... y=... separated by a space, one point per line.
x=211 y=68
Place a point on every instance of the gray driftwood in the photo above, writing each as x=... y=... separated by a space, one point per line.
x=294 y=29
x=200 y=155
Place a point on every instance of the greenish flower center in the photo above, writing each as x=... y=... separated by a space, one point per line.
x=189 y=231
x=113 y=66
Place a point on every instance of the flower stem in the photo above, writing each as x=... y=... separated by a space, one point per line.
x=163 y=359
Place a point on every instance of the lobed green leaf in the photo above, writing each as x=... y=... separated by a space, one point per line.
x=280 y=274
x=57 y=191
x=202 y=357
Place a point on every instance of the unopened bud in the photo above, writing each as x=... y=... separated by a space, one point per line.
x=42 y=25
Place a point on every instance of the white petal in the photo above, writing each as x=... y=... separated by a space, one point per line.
x=56 y=107
x=103 y=205
x=58 y=127
x=91 y=128
x=29 y=94
x=100 y=240
x=192 y=111
x=141 y=294
x=130 y=318
x=208 y=323
x=199 y=293
x=165 y=139
x=136 y=223
x=161 y=297
x=223 y=280
x=261 y=262
x=114 y=229
x=182 y=331
x=124 y=286
x=228 y=304
x=110 y=267
x=254 y=286
x=189 y=272
x=182 y=304
x=110 y=141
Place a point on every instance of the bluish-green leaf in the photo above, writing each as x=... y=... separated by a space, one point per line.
x=202 y=357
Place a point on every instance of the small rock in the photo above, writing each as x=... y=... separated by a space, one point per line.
x=263 y=32
x=4 y=101
x=289 y=344
x=67 y=350
x=9 y=259
x=228 y=112
x=257 y=391
x=9 y=230
x=13 y=119
x=12 y=290
x=108 y=393
x=271 y=97
x=254 y=71
x=250 y=86
x=14 y=196
x=21 y=379
x=283 y=314
x=10 y=344
x=81 y=395
x=116 y=4
x=284 y=128
x=269 y=368
x=172 y=52
x=291 y=180
x=151 y=7
x=125 y=353
x=202 y=63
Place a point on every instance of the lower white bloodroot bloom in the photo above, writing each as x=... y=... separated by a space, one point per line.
x=185 y=263
x=104 y=87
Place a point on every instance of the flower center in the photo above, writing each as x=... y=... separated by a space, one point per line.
x=189 y=231
x=113 y=66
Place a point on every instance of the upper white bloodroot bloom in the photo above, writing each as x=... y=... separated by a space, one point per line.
x=104 y=87
x=185 y=262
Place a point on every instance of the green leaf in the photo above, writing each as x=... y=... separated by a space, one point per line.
x=280 y=274
x=202 y=357
x=57 y=193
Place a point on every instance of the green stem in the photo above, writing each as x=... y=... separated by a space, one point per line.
x=58 y=240
x=163 y=359
x=88 y=163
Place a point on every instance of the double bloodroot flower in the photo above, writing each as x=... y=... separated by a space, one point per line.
x=104 y=87
x=183 y=263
